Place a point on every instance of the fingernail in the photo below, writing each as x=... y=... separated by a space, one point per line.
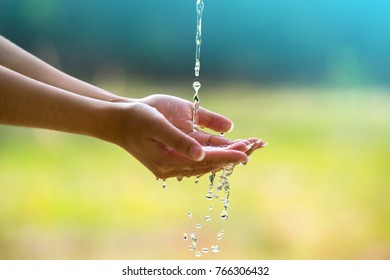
x=196 y=153
x=264 y=144
x=249 y=146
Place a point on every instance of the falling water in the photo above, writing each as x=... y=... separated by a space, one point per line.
x=198 y=39
x=214 y=192
x=196 y=85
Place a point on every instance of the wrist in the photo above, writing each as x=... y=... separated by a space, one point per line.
x=110 y=116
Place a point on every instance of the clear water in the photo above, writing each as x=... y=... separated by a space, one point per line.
x=215 y=248
x=198 y=43
x=215 y=191
x=218 y=193
x=198 y=39
x=164 y=184
x=195 y=106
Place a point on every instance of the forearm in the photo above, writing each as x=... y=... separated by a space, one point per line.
x=17 y=59
x=30 y=103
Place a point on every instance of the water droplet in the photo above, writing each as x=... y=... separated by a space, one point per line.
x=211 y=208
x=215 y=249
x=196 y=100
x=216 y=196
x=192 y=246
x=185 y=236
x=179 y=178
x=196 y=85
x=197 y=67
x=194 y=237
x=196 y=179
x=198 y=254
x=164 y=185
x=226 y=203
x=222 y=134
x=209 y=195
x=207 y=218
x=198 y=226
x=211 y=179
x=219 y=236
x=205 y=250
x=189 y=215
x=224 y=215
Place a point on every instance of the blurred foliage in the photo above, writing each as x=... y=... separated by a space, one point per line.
x=319 y=191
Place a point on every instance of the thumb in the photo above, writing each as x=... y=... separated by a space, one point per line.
x=174 y=138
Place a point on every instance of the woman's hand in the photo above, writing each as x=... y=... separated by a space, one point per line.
x=157 y=131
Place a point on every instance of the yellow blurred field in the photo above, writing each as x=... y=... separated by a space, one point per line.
x=320 y=190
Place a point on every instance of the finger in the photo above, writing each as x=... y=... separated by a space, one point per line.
x=223 y=157
x=256 y=144
x=165 y=133
x=242 y=146
x=214 y=121
x=207 y=139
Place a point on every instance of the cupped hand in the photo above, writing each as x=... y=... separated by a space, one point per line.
x=157 y=131
x=179 y=113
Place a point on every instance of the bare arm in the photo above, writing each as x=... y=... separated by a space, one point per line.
x=30 y=103
x=19 y=60
x=137 y=127
x=156 y=130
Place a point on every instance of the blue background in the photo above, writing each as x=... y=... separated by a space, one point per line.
x=322 y=42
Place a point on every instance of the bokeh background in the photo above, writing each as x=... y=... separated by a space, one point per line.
x=309 y=77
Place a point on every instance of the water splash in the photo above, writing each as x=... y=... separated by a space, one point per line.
x=215 y=249
x=213 y=192
x=205 y=250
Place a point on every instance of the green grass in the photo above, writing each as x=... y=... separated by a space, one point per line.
x=320 y=190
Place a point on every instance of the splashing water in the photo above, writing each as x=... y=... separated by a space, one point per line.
x=214 y=192
x=215 y=249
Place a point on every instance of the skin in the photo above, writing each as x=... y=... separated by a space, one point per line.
x=156 y=130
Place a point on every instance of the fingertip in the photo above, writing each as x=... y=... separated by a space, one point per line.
x=263 y=144
x=231 y=127
x=196 y=153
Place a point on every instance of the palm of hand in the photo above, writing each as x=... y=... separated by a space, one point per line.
x=177 y=111
x=165 y=162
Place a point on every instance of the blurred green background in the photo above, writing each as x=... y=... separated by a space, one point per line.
x=309 y=77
